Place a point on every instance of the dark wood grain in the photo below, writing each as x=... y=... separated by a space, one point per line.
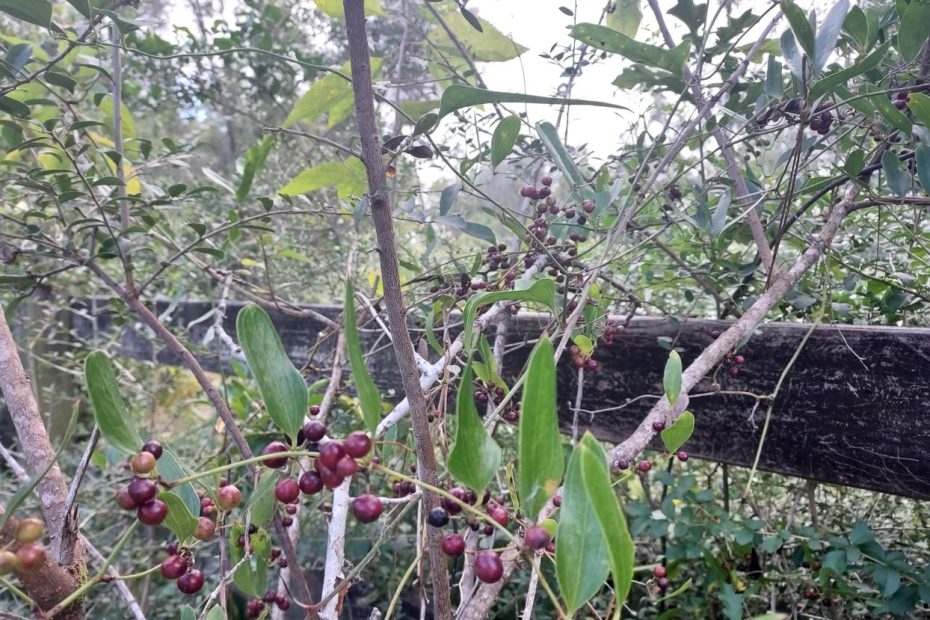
x=852 y=410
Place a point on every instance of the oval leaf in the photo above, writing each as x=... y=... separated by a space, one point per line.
x=610 y=40
x=179 y=520
x=675 y=436
x=671 y=380
x=281 y=385
x=581 y=558
x=169 y=469
x=923 y=166
x=610 y=518
x=540 y=462
x=799 y=26
x=475 y=457
x=914 y=30
x=110 y=411
x=504 y=137
x=557 y=151
x=899 y=180
x=459 y=96
x=368 y=396
x=542 y=291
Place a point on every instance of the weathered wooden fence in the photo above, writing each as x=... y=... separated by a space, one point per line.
x=852 y=410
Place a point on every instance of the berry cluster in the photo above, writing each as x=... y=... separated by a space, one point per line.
x=736 y=361
x=179 y=566
x=610 y=333
x=30 y=556
x=580 y=361
x=821 y=119
x=488 y=392
x=139 y=494
x=255 y=607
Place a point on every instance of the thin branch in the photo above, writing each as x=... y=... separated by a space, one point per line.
x=379 y=200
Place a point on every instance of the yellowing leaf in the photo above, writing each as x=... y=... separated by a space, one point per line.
x=491 y=45
x=347 y=176
x=333 y=8
x=332 y=94
x=375 y=278
x=129 y=126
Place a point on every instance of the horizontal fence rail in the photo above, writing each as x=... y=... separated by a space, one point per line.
x=853 y=410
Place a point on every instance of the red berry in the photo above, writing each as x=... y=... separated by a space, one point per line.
x=142 y=489
x=125 y=500
x=682 y=456
x=499 y=514
x=739 y=359
x=588 y=206
x=536 y=537
x=734 y=371
x=591 y=364
x=270 y=596
x=229 y=497
x=191 y=583
x=310 y=482
x=291 y=509
x=287 y=521
x=557 y=500
x=357 y=444
x=173 y=567
x=330 y=453
x=331 y=479
x=153 y=512
x=286 y=490
x=346 y=467
x=659 y=571
x=622 y=464
x=282 y=603
x=30 y=558
x=453 y=545
x=546 y=180
x=205 y=529
x=644 y=466
x=314 y=410
x=254 y=608
x=488 y=567
x=658 y=426
x=314 y=430
x=662 y=583
x=142 y=463
x=273 y=448
x=366 y=508
x=154 y=448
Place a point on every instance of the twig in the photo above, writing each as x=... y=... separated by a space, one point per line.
x=711 y=356
x=131 y=603
x=531 y=589
x=315 y=138
x=379 y=200
x=227 y=578
x=335 y=549
x=82 y=469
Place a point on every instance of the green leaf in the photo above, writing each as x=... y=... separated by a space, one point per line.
x=60 y=79
x=188 y=613
x=789 y=49
x=504 y=137
x=542 y=291
x=828 y=33
x=16 y=58
x=585 y=344
x=829 y=82
x=252 y=576
x=254 y=161
x=671 y=379
x=625 y=17
x=899 y=180
x=110 y=411
x=475 y=457
x=346 y=175
x=262 y=502
x=919 y=105
x=216 y=613
x=179 y=519
x=280 y=383
x=471 y=19
x=478 y=231
x=448 y=197
x=609 y=40
x=38 y=12
x=169 y=468
x=459 y=96
x=368 y=395
x=923 y=166
x=581 y=556
x=914 y=30
x=887 y=109
x=549 y=135
x=774 y=87
x=485 y=45
x=684 y=588
x=540 y=462
x=675 y=436
x=799 y=26
x=857 y=27
x=610 y=518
